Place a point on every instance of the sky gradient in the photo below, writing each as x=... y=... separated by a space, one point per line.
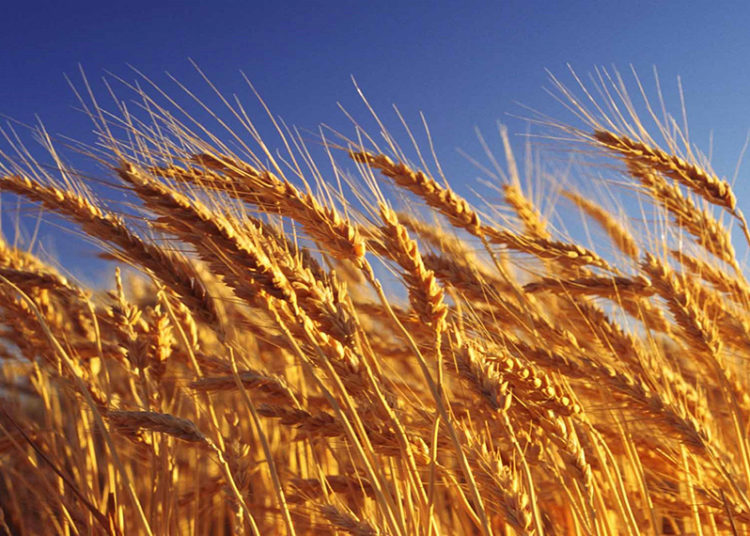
x=465 y=65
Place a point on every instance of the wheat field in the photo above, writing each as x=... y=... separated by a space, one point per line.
x=285 y=349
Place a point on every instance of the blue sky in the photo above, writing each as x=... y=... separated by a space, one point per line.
x=464 y=64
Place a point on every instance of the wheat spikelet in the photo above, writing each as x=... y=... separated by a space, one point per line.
x=447 y=202
x=500 y=482
x=700 y=181
x=132 y=422
x=272 y=194
x=737 y=289
x=563 y=252
x=529 y=216
x=708 y=232
x=186 y=217
x=426 y=296
x=172 y=269
x=617 y=233
x=272 y=388
x=698 y=329
x=605 y=287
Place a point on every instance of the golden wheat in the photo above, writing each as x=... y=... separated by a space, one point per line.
x=279 y=359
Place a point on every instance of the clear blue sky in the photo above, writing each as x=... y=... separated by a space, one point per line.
x=464 y=64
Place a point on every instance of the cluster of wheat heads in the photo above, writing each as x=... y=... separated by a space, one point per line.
x=282 y=360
